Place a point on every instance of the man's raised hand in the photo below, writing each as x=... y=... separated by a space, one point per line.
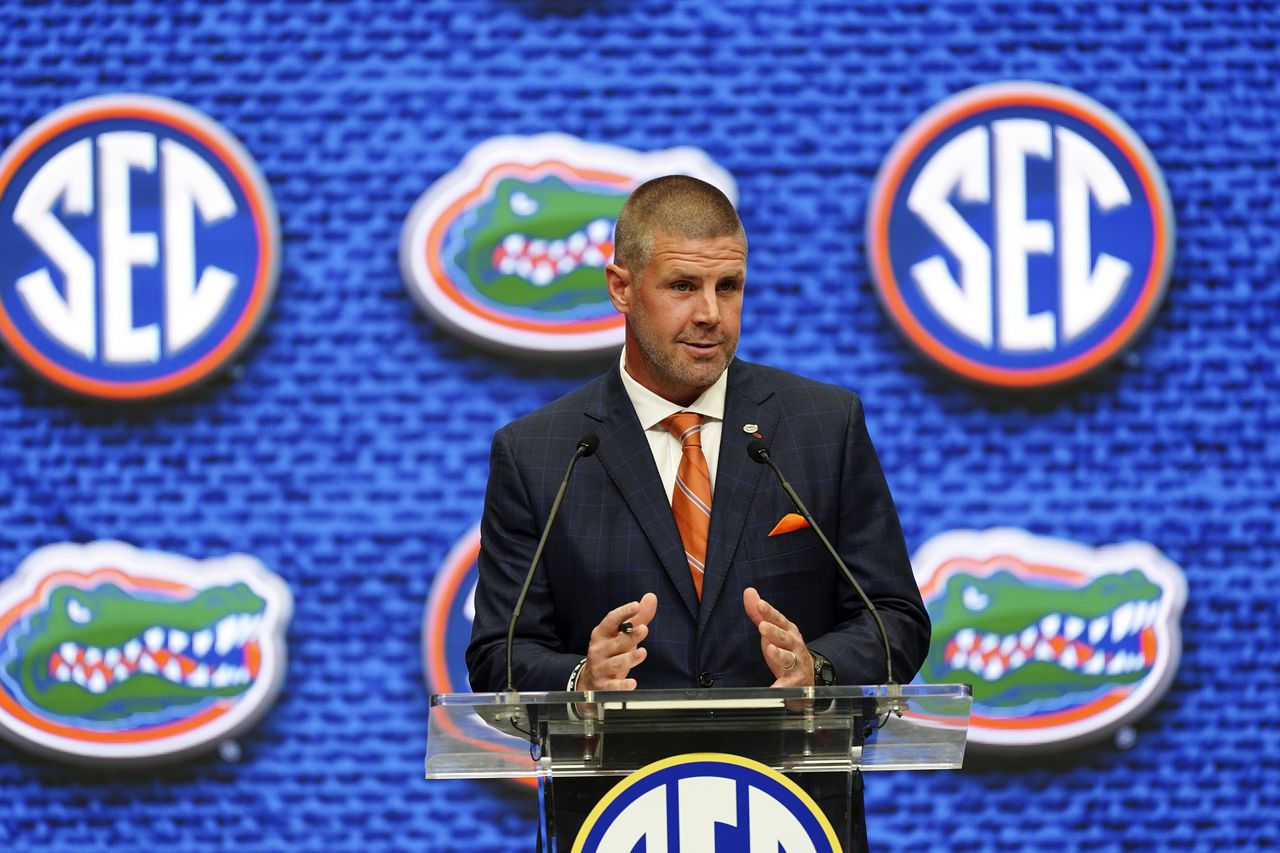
x=613 y=650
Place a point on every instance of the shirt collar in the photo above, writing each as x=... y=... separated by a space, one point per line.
x=653 y=409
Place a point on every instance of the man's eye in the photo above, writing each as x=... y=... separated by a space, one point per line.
x=681 y=286
x=727 y=285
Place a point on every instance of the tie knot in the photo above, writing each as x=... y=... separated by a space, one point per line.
x=685 y=426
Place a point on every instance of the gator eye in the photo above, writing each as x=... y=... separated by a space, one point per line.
x=78 y=613
x=975 y=599
x=522 y=205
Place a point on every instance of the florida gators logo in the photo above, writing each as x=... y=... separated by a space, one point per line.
x=110 y=654
x=1020 y=234
x=509 y=248
x=1062 y=643
x=138 y=247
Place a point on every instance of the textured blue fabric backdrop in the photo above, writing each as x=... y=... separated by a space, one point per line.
x=349 y=449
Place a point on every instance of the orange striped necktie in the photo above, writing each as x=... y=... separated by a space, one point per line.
x=691 y=498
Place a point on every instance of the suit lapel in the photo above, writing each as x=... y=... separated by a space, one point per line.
x=737 y=476
x=625 y=455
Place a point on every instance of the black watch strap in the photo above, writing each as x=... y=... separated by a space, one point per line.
x=823 y=673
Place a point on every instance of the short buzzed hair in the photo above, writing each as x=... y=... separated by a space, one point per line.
x=677 y=205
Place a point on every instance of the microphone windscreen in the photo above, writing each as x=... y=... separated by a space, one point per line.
x=758 y=450
x=589 y=444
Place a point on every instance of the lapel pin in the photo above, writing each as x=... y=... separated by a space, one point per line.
x=750 y=428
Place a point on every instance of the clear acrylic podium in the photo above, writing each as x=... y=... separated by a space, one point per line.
x=834 y=732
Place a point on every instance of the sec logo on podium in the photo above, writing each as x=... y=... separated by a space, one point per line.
x=139 y=247
x=1020 y=235
x=706 y=802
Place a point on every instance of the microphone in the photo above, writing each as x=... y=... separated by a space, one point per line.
x=587 y=445
x=759 y=452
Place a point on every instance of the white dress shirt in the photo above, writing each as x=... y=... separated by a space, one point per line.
x=652 y=410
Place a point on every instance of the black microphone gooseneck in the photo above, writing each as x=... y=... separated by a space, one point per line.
x=587 y=445
x=759 y=452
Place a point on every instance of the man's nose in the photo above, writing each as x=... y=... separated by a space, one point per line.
x=707 y=310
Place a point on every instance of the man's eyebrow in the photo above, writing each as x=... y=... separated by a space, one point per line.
x=682 y=272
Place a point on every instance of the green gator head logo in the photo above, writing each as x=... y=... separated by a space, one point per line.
x=109 y=653
x=509 y=248
x=1061 y=642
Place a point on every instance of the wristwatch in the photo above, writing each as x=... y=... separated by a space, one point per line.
x=823 y=673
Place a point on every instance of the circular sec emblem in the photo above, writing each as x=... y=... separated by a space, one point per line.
x=139 y=247
x=706 y=801
x=1020 y=234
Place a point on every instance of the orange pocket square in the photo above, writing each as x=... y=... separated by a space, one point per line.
x=789 y=522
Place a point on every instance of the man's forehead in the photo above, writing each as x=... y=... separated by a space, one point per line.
x=674 y=251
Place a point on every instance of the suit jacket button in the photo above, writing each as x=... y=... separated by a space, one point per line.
x=706 y=679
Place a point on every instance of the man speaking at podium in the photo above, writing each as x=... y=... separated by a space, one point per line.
x=676 y=561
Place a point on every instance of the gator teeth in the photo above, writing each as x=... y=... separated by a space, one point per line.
x=1027 y=639
x=1094 y=665
x=599 y=230
x=92 y=656
x=178 y=641
x=132 y=649
x=68 y=652
x=121 y=673
x=154 y=638
x=147 y=664
x=1121 y=621
x=111 y=658
x=222 y=676
x=965 y=638
x=78 y=675
x=993 y=670
x=201 y=642
x=98 y=682
x=989 y=642
x=1017 y=659
x=248 y=628
x=1049 y=625
x=1098 y=629
x=959 y=660
x=226 y=629
x=63 y=672
x=1073 y=627
x=1068 y=659
x=199 y=677
x=173 y=671
x=1007 y=645
x=1044 y=651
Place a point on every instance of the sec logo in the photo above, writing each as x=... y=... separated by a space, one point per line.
x=1020 y=234
x=508 y=250
x=707 y=802
x=140 y=247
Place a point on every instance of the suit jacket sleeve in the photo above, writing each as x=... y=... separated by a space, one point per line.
x=509 y=533
x=869 y=538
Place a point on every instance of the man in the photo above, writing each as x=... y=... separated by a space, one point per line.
x=670 y=526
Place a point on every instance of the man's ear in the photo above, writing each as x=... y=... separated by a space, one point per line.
x=619 y=281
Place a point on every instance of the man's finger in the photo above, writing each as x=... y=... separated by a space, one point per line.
x=751 y=603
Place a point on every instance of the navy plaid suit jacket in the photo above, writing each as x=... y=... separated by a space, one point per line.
x=616 y=539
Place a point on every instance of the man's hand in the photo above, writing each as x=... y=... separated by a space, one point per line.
x=780 y=642
x=613 y=652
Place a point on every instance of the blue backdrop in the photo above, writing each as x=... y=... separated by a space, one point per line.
x=348 y=449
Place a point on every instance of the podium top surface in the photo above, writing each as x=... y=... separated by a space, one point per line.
x=872 y=727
